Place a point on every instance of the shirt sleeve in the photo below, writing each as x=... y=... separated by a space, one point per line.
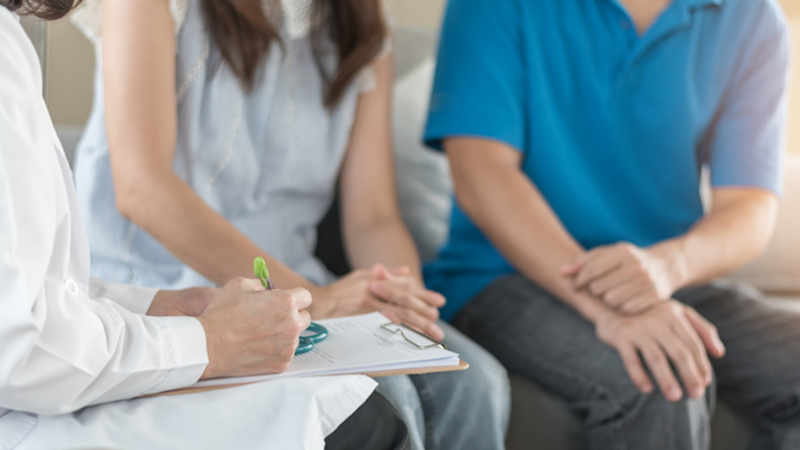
x=61 y=349
x=749 y=135
x=479 y=86
x=133 y=298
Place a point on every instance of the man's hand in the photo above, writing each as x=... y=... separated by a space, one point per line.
x=627 y=278
x=396 y=294
x=186 y=302
x=252 y=331
x=667 y=332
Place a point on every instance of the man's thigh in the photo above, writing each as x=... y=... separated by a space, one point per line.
x=760 y=372
x=539 y=337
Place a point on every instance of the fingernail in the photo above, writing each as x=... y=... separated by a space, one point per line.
x=698 y=392
x=675 y=394
x=646 y=388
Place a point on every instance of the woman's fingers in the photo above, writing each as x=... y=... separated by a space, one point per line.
x=403 y=298
x=707 y=332
x=412 y=319
x=432 y=298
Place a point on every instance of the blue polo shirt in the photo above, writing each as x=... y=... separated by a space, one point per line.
x=614 y=127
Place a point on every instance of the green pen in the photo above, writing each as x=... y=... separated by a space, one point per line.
x=260 y=268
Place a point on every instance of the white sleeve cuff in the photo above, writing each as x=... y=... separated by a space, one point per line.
x=135 y=299
x=187 y=340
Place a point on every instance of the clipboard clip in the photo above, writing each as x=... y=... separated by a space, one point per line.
x=395 y=328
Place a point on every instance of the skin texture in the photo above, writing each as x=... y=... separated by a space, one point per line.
x=141 y=120
x=250 y=330
x=187 y=302
x=505 y=204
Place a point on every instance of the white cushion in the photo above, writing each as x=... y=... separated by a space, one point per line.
x=778 y=270
x=424 y=185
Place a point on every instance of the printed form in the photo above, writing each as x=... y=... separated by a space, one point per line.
x=358 y=345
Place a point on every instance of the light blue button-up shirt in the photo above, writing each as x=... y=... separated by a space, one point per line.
x=614 y=126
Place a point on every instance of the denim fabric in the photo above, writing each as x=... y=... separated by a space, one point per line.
x=465 y=410
x=539 y=337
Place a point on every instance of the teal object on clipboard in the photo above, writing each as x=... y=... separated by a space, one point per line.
x=318 y=333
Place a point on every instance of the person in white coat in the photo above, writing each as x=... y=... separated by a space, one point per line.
x=68 y=343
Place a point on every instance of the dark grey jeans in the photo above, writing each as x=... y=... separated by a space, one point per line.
x=538 y=337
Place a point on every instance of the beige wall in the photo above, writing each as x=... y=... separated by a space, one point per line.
x=71 y=59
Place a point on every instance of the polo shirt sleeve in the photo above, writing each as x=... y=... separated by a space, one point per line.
x=750 y=133
x=478 y=89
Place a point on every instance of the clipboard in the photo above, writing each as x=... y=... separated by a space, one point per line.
x=462 y=365
x=357 y=345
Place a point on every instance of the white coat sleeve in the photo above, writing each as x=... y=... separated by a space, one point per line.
x=133 y=298
x=61 y=350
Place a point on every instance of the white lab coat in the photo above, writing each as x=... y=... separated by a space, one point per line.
x=67 y=342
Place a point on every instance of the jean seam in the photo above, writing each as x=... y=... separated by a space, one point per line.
x=429 y=412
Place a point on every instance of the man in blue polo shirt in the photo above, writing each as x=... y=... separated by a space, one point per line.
x=579 y=252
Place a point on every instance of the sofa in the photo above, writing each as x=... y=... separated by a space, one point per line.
x=540 y=420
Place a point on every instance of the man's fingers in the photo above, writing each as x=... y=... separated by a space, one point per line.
x=575 y=265
x=403 y=298
x=633 y=364
x=614 y=280
x=658 y=363
x=690 y=338
x=640 y=303
x=684 y=362
x=597 y=266
x=707 y=332
x=624 y=293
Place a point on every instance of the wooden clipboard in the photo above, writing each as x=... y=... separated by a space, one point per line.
x=462 y=365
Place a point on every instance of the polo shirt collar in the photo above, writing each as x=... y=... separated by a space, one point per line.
x=697 y=4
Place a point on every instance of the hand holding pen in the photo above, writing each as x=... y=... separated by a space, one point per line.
x=314 y=333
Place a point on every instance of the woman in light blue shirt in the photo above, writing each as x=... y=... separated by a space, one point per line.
x=219 y=131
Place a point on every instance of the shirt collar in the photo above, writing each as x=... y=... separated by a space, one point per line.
x=697 y=4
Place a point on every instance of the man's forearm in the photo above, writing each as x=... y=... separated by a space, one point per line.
x=517 y=219
x=734 y=233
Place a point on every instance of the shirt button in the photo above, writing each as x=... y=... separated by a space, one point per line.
x=72 y=286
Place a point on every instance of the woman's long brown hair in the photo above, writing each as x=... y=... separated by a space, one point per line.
x=43 y=9
x=243 y=33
